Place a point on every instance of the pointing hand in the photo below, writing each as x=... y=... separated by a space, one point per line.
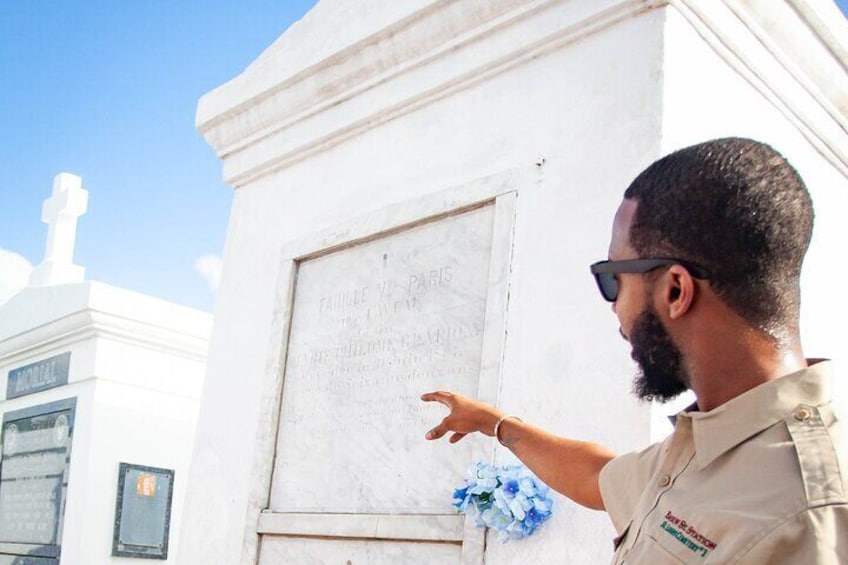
x=466 y=416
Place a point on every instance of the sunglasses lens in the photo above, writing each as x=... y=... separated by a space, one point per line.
x=608 y=285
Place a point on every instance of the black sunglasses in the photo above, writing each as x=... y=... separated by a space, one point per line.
x=605 y=271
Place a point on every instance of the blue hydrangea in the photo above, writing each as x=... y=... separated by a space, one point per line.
x=510 y=499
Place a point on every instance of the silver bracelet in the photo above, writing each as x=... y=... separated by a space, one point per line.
x=498 y=427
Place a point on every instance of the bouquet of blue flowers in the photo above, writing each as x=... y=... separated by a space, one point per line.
x=509 y=499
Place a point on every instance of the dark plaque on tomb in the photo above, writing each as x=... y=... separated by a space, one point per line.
x=143 y=511
x=35 y=377
x=36 y=451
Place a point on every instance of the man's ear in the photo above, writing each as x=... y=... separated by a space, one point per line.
x=680 y=291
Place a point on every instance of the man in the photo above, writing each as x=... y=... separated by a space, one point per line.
x=703 y=274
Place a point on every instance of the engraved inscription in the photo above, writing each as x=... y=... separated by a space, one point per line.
x=32 y=477
x=373 y=327
x=42 y=375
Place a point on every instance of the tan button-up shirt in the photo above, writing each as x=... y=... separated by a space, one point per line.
x=761 y=479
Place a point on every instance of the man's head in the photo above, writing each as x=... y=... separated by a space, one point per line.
x=738 y=209
x=736 y=219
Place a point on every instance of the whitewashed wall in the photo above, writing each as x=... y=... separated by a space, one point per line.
x=622 y=84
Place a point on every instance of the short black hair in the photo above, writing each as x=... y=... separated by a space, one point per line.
x=737 y=208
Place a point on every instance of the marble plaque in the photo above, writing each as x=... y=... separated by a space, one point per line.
x=374 y=326
x=304 y=551
x=33 y=475
x=42 y=375
x=143 y=511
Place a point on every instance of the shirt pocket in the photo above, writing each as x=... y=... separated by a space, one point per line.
x=649 y=551
x=681 y=548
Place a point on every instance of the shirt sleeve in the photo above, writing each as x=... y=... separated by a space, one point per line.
x=816 y=535
x=622 y=482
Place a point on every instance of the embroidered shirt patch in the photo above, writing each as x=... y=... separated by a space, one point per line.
x=687 y=534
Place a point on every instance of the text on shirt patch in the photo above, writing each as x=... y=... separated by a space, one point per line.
x=687 y=535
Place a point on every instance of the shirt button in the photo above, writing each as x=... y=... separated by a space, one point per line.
x=802 y=414
x=665 y=480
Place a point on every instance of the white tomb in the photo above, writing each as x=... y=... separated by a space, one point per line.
x=420 y=188
x=93 y=376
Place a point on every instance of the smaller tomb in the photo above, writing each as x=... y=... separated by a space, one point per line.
x=99 y=392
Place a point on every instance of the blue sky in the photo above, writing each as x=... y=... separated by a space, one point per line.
x=107 y=90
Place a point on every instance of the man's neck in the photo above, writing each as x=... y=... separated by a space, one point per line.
x=735 y=360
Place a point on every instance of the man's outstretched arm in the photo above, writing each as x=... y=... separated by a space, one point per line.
x=567 y=466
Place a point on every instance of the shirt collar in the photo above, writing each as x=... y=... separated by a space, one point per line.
x=723 y=428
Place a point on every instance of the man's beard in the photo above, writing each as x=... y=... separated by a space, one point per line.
x=662 y=375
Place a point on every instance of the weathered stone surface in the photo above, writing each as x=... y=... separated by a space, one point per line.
x=373 y=327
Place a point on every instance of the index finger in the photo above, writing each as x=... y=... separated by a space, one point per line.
x=439 y=396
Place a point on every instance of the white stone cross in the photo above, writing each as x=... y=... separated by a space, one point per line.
x=68 y=202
